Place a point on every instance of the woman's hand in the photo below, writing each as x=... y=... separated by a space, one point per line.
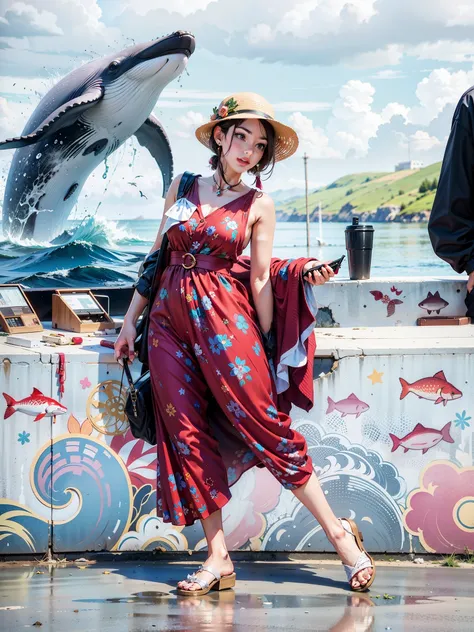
x=319 y=277
x=470 y=282
x=124 y=345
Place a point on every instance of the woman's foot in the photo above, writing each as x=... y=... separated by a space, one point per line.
x=347 y=549
x=220 y=563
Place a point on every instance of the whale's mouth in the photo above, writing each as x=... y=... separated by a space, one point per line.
x=179 y=42
x=161 y=68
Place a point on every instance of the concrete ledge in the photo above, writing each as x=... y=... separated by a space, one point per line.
x=356 y=341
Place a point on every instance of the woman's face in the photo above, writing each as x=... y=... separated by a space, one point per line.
x=245 y=149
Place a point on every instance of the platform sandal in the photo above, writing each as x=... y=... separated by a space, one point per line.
x=218 y=583
x=363 y=561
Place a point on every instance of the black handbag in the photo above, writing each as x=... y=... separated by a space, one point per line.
x=139 y=403
x=139 y=406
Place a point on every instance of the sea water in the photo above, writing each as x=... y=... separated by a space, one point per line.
x=108 y=253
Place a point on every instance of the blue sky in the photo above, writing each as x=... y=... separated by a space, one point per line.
x=359 y=81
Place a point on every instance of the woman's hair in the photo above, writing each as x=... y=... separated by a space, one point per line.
x=267 y=162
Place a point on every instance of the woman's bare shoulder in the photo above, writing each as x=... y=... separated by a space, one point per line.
x=262 y=204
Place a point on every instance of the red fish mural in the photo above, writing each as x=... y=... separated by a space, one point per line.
x=421 y=438
x=435 y=388
x=389 y=302
x=433 y=303
x=352 y=405
x=36 y=405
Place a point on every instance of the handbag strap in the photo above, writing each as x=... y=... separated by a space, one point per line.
x=185 y=184
x=133 y=392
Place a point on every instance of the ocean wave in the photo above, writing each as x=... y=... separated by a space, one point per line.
x=75 y=254
x=104 y=232
x=79 y=276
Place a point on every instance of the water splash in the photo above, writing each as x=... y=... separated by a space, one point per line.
x=104 y=175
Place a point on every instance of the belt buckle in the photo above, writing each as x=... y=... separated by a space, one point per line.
x=193 y=263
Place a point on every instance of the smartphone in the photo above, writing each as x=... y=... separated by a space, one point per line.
x=335 y=265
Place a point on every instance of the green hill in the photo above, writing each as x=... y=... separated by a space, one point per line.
x=365 y=193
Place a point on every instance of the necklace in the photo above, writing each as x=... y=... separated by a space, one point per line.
x=220 y=189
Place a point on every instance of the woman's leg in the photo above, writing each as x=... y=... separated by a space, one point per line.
x=218 y=556
x=312 y=497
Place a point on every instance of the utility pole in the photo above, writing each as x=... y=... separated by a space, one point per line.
x=305 y=159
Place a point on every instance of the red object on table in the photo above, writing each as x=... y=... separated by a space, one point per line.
x=107 y=343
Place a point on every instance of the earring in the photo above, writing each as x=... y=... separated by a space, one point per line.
x=258 y=180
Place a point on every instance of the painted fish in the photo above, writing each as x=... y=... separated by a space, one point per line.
x=37 y=405
x=421 y=438
x=435 y=388
x=352 y=405
x=433 y=303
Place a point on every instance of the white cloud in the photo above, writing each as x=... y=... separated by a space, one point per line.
x=302 y=106
x=388 y=74
x=444 y=50
x=394 y=109
x=389 y=56
x=22 y=19
x=183 y=7
x=436 y=91
x=260 y=33
x=422 y=141
x=188 y=123
x=313 y=140
x=323 y=16
x=353 y=122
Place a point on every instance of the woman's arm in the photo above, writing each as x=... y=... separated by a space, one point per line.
x=261 y=253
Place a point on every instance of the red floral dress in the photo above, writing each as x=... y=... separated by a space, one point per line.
x=204 y=342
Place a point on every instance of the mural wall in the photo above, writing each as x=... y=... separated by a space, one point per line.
x=391 y=437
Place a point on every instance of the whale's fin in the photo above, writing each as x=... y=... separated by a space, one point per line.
x=66 y=114
x=152 y=136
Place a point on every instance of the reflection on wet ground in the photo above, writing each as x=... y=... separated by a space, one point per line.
x=269 y=596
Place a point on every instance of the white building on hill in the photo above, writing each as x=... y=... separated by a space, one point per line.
x=409 y=164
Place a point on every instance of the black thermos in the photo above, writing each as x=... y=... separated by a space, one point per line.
x=359 y=241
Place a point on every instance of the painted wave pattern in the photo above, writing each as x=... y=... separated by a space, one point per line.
x=96 y=252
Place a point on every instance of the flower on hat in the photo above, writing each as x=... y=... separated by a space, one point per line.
x=224 y=110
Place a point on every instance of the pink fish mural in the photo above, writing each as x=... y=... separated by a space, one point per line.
x=36 y=405
x=421 y=438
x=352 y=405
x=435 y=388
x=433 y=303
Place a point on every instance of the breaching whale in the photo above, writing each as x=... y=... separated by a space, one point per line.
x=78 y=123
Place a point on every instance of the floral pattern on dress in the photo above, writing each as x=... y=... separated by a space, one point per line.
x=231 y=224
x=236 y=410
x=241 y=323
x=240 y=370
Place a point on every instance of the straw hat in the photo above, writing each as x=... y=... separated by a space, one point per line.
x=246 y=105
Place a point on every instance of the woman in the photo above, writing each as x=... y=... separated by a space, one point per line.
x=206 y=339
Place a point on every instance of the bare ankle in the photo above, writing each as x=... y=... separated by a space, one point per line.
x=336 y=535
x=220 y=554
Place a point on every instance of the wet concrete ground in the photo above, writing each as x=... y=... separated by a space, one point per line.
x=140 y=596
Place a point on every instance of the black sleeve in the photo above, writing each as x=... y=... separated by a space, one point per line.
x=451 y=223
x=146 y=272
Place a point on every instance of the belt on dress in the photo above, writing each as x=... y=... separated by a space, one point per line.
x=207 y=262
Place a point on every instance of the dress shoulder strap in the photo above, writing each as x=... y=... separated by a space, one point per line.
x=249 y=198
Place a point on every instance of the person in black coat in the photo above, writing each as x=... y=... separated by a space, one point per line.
x=451 y=224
